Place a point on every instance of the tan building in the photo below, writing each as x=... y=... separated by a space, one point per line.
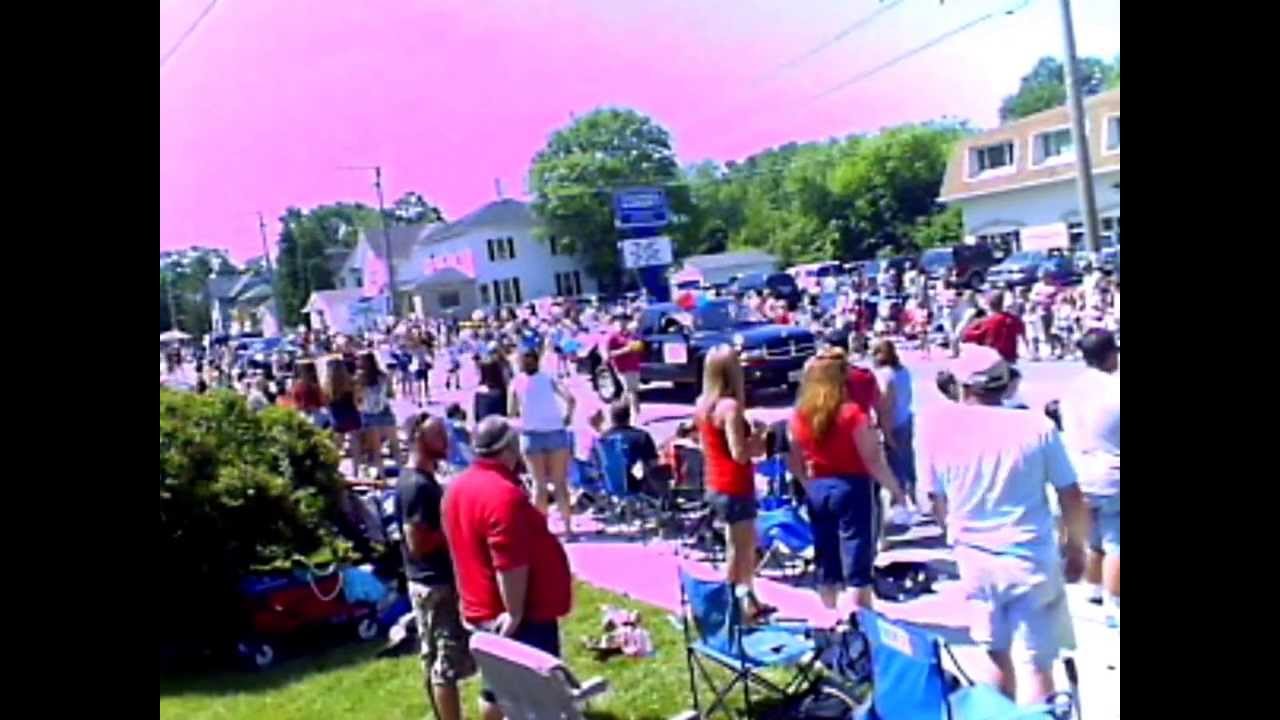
x=1017 y=182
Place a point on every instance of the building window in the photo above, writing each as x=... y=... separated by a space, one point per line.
x=1002 y=244
x=497 y=293
x=552 y=245
x=568 y=284
x=449 y=299
x=484 y=294
x=990 y=158
x=1113 y=133
x=577 y=283
x=515 y=282
x=1110 y=231
x=503 y=248
x=1075 y=235
x=1052 y=147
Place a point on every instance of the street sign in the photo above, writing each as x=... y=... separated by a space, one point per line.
x=646 y=252
x=640 y=207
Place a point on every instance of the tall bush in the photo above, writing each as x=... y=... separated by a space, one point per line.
x=240 y=492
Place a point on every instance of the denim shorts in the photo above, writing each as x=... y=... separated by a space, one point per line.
x=544 y=636
x=1104 y=512
x=537 y=442
x=384 y=419
x=732 y=508
x=843 y=512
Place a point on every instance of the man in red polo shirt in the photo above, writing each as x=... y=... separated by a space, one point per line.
x=512 y=574
x=999 y=331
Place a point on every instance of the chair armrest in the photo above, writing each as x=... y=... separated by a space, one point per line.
x=591 y=688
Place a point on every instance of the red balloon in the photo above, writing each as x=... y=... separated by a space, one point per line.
x=686 y=301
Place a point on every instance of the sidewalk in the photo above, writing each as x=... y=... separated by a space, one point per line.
x=647 y=572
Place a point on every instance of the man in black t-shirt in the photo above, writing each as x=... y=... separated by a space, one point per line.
x=638 y=448
x=429 y=569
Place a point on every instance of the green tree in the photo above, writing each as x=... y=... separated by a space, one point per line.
x=1045 y=86
x=940 y=229
x=411 y=209
x=890 y=183
x=573 y=176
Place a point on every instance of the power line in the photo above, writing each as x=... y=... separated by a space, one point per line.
x=870 y=72
x=842 y=34
x=187 y=33
x=917 y=50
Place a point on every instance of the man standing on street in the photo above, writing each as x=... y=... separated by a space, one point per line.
x=513 y=575
x=1000 y=330
x=1091 y=430
x=986 y=467
x=625 y=356
x=445 y=656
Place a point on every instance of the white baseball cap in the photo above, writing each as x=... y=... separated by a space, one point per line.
x=980 y=366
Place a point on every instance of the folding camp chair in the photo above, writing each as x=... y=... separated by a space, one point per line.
x=910 y=683
x=627 y=506
x=722 y=640
x=784 y=534
x=528 y=683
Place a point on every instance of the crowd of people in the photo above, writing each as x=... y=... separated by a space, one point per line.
x=478 y=550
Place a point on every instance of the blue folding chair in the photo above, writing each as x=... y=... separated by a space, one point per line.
x=615 y=470
x=910 y=683
x=783 y=533
x=721 y=639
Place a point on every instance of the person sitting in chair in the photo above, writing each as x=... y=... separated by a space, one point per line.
x=638 y=448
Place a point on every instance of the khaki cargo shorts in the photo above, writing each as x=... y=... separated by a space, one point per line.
x=446 y=658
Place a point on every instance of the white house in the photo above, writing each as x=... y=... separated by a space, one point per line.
x=1016 y=185
x=335 y=310
x=722 y=267
x=488 y=258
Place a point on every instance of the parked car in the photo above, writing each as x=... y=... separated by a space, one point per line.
x=1019 y=269
x=779 y=283
x=968 y=264
x=676 y=343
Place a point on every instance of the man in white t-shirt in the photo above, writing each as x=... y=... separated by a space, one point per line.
x=1090 y=411
x=986 y=469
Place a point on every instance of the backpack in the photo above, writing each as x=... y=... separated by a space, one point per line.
x=902 y=580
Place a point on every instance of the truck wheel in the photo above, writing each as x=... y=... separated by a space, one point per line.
x=256 y=655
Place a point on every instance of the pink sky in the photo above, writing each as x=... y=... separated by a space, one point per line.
x=266 y=99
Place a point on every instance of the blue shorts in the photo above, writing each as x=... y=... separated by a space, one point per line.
x=544 y=636
x=843 y=512
x=732 y=508
x=384 y=419
x=1104 y=512
x=537 y=442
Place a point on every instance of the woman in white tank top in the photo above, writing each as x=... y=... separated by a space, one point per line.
x=545 y=409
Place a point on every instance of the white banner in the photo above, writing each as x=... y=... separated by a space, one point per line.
x=646 y=252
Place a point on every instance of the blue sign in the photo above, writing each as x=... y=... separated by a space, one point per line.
x=640 y=207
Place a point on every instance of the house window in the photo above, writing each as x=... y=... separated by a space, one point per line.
x=449 y=299
x=502 y=248
x=1002 y=243
x=515 y=283
x=1075 y=235
x=1053 y=146
x=497 y=293
x=568 y=284
x=989 y=158
x=1113 y=133
x=552 y=245
x=559 y=285
x=484 y=294
x=1110 y=231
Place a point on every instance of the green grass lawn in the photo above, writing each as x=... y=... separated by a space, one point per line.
x=351 y=682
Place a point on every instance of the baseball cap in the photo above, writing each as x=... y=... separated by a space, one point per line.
x=980 y=367
x=492 y=435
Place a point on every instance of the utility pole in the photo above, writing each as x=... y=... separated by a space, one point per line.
x=386 y=236
x=1075 y=104
x=173 y=313
x=271 y=273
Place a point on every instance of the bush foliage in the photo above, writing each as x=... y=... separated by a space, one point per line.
x=240 y=492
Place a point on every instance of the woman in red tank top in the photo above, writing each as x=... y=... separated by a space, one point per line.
x=836 y=452
x=729 y=443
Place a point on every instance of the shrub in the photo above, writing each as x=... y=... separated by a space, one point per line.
x=240 y=492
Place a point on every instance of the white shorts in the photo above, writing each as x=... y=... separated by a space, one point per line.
x=1016 y=605
x=630 y=382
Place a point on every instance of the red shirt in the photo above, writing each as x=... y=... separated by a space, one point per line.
x=724 y=474
x=307 y=398
x=492 y=526
x=834 y=454
x=862 y=389
x=999 y=332
x=626 y=362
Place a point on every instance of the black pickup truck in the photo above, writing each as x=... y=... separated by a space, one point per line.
x=676 y=342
